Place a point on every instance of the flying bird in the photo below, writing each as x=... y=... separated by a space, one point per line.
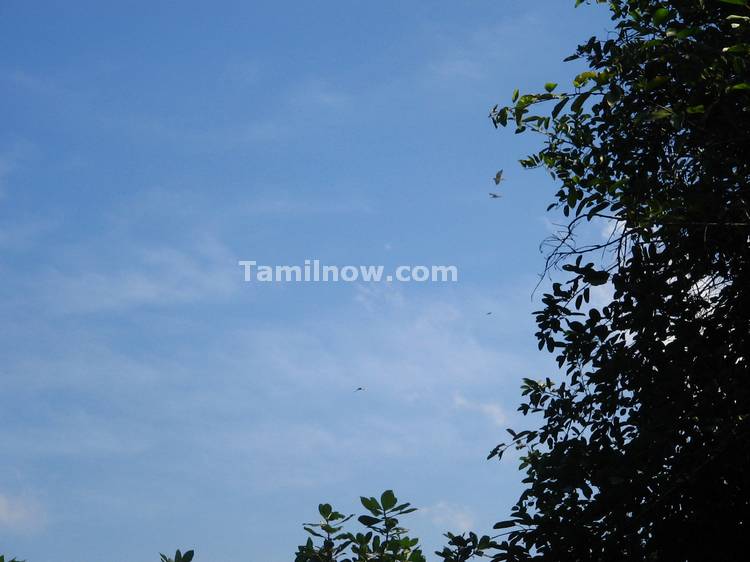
x=359 y=388
x=498 y=177
x=489 y=313
x=495 y=195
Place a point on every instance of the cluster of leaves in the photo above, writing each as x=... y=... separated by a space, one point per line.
x=382 y=540
x=178 y=557
x=461 y=548
x=643 y=452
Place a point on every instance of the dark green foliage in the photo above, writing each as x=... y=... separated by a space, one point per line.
x=382 y=538
x=643 y=452
x=178 y=557
x=463 y=547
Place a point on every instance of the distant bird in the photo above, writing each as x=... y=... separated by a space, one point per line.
x=498 y=177
x=495 y=196
x=359 y=388
x=489 y=313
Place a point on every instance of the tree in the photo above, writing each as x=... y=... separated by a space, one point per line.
x=383 y=539
x=644 y=448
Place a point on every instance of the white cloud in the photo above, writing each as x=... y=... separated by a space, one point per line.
x=458 y=68
x=449 y=517
x=611 y=229
x=160 y=276
x=20 y=514
x=413 y=355
x=476 y=55
x=372 y=296
x=493 y=411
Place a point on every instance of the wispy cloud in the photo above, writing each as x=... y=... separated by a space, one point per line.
x=472 y=55
x=457 y=67
x=449 y=517
x=21 y=514
x=411 y=354
x=491 y=410
x=161 y=276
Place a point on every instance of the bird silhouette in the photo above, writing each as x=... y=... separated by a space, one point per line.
x=495 y=195
x=489 y=313
x=359 y=388
x=498 y=177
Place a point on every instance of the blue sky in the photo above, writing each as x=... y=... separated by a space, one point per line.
x=149 y=398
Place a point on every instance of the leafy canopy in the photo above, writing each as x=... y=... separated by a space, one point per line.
x=643 y=452
x=382 y=538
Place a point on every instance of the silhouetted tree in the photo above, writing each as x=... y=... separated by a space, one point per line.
x=644 y=448
x=382 y=538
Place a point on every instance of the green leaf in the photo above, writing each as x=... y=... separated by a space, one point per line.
x=660 y=114
x=371 y=504
x=660 y=16
x=313 y=532
x=515 y=95
x=559 y=107
x=325 y=510
x=685 y=33
x=584 y=77
x=388 y=499
x=613 y=96
x=656 y=82
x=502 y=117
x=368 y=521
x=740 y=48
x=741 y=86
x=579 y=101
x=550 y=86
x=596 y=277
x=735 y=2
